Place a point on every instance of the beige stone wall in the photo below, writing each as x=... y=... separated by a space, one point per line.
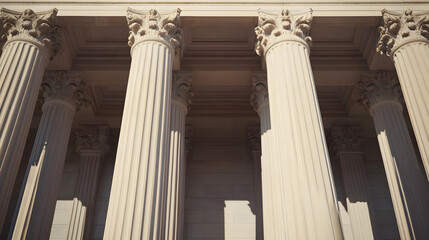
x=220 y=196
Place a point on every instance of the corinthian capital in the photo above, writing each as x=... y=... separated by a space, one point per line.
x=65 y=86
x=93 y=138
x=346 y=138
x=259 y=95
x=378 y=87
x=272 y=29
x=401 y=28
x=151 y=25
x=182 y=93
x=38 y=28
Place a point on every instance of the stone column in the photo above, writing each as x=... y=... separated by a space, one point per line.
x=136 y=207
x=92 y=144
x=180 y=103
x=404 y=37
x=260 y=102
x=30 y=40
x=308 y=207
x=254 y=135
x=346 y=144
x=63 y=95
x=408 y=187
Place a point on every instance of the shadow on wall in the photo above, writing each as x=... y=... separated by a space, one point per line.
x=220 y=193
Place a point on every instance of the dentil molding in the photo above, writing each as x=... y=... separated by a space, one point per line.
x=38 y=28
x=402 y=28
x=152 y=26
x=65 y=86
x=273 y=29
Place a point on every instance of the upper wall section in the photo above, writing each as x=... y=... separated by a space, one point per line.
x=221 y=8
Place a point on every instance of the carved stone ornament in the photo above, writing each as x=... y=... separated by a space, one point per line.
x=93 y=137
x=64 y=85
x=401 y=28
x=151 y=25
x=182 y=93
x=272 y=29
x=377 y=87
x=254 y=136
x=259 y=95
x=346 y=138
x=38 y=28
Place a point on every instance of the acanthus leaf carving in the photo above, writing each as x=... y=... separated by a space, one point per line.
x=272 y=29
x=64 y=85
x=400 y=28
x=346 y=138
x=182 y=88
x=39 y=28
x=259 y=95
x=151 y=25
x=93 y=137
x=377 y=87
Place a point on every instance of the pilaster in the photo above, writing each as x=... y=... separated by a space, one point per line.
x=404 y=37
x=137 y=200
x=63 y=94
x=408 y=187
x=92 y=143
x=180 y=103
x=346 y=144
x=302 y=174
x=28 y=43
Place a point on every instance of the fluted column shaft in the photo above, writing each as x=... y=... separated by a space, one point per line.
x=355 y=185
x=177 y=162
x=136 y=207
x=92 y=143
x=85 y=194
x=412 y=65
x=36 y=207
x=22 y=64
x=408 y=188
x=309 y=205
x=346 y=144
x=403 y=38
x=260 y=101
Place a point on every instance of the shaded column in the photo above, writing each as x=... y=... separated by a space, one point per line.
x=137 y=198
x=302 y=178
x=92 y=144
x=404 y=37
x=30 y=39
x=260 y=102
x=180 y=104
x=346 y=144
x=409 y=188
x=63 y=95
x=254 y=135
